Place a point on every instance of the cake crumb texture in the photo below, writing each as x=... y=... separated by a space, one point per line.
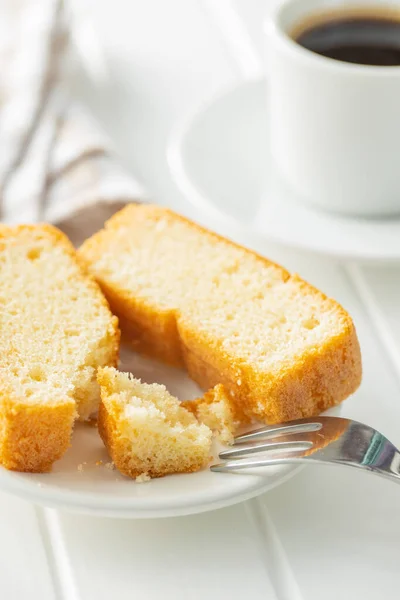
x=55 y=329
x=216 y=410
x=146 y=431
x=281 y=348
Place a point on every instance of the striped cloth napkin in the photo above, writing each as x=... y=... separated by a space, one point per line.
x=55 y=163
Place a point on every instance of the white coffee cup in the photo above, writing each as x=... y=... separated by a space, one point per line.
x=335 y=126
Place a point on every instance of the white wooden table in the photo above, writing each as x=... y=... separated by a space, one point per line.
x=331 y=534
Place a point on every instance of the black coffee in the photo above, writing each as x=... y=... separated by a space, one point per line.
x=360 y=39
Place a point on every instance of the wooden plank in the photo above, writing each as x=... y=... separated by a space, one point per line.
x=340 y=532
x=379 y=289
x=24 y=567
x=211 y=555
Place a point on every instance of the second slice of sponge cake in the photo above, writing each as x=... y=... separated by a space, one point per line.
x=55 y=330
x=185 y=295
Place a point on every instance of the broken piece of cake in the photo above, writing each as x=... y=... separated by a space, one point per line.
x=146 y=430
x=216 y=410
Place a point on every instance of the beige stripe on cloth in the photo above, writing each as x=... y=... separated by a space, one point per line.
x=55 y=163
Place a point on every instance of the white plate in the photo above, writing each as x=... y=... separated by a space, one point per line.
x=97 y=490
x=220 y=159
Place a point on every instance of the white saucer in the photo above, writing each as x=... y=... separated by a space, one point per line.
x=83 y=482
x=220 y=159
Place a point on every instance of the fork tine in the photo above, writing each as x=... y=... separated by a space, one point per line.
x=237 y=465
x=275 y=430
x=270 y=446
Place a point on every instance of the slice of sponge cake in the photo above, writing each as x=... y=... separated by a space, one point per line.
x=146 y=430
x=55 y=329
x=185 y=295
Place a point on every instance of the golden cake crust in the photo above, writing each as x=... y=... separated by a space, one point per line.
x=311 y=381
x=36 y=432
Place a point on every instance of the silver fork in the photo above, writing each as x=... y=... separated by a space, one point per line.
x=327 y=440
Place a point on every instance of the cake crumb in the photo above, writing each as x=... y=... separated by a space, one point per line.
x=110 y=465
x=98 y=463
x=162 y=436
x=80 y=467
x=217 y=411
x=143 y=478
